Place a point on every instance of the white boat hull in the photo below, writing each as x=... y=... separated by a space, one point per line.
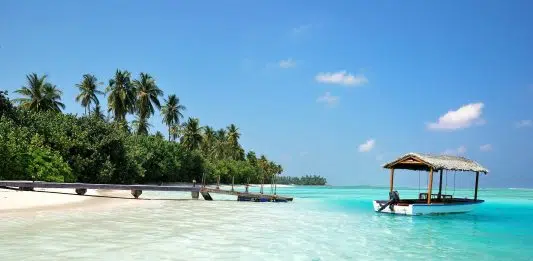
x=425 y=209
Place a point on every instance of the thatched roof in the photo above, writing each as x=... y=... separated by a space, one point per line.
x=419 y=161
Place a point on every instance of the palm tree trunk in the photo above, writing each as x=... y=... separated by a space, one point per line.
x=168 y=132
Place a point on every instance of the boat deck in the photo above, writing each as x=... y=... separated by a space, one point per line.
x=406 y=202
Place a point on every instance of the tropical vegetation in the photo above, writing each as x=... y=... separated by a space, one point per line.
x=38 y=141
x=304 y=180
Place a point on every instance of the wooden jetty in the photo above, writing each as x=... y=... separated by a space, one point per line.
x=245 y=196
x=136 y=190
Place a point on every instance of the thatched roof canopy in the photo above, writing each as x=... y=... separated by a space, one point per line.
x=418 y=161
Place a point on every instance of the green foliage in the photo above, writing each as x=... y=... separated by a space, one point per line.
x=121 y=95
x=242 y=171
x=172 y=112
x=14 y=143
x=46 y=165
x=40 y=95
x=37 y=143
x=192 y=134
x=26 y=157
x=6 y=107
x=88 y=92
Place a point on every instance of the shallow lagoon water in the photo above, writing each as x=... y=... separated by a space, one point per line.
x=323 y=223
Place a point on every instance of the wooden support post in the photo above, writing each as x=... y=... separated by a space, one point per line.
x=81 y=191
x=195 y=194
x=218 y=182
x=440 y=185
x=262 y=180
x=391 y=179
x=477 y=180
x=275 y=185
x=136 y=193
x=232 y=182
x=430 y=185
x=206 y=195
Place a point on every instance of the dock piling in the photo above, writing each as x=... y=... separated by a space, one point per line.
x=136 y=192
x=194 y=194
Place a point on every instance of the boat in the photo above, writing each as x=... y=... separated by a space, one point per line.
x=437 y=203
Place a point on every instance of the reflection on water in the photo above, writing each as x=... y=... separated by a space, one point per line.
x=321 y=224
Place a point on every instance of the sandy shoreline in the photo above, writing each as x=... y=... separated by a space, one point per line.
x=15 y=201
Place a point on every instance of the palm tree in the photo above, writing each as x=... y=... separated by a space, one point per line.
x=233 y=134
x=264 y=166
x=32 y=93
x=88 y=91
x=234 y=148
x=159 y=135
x=251 y=158
x=208 y=140
x=97 y=112
x=141 y=125
x=39 y=95
x=175 y=131
x=147 y=95
x=221 y=144
x=172 y=113
x=192 y=134
x=121 y=99
x=52 y=98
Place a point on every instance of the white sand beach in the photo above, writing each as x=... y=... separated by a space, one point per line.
x=12 y=200
x=47 y=199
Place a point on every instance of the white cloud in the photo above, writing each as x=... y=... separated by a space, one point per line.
x=456 y=152
x=524 y=123
x=367 y=146
x=461 y=118
x=328 y=99
x=486 y=147
x=285 y=64
x=341 y=77
x=301 y=28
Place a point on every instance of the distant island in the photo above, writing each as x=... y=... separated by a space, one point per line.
x=304 y=180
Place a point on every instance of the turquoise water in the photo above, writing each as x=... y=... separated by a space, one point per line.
x=323 y=223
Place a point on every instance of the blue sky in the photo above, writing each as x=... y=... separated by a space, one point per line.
x=308 y=82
